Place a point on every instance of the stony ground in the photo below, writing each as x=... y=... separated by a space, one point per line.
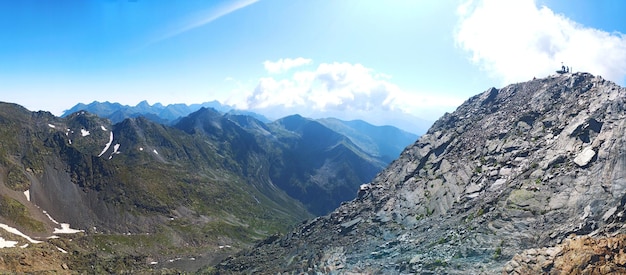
x=576 y=255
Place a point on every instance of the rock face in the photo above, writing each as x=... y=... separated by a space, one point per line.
x=578 y=255
x=516 y=168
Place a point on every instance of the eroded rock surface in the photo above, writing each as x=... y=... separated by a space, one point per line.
x=516 y=168
x=577 y=255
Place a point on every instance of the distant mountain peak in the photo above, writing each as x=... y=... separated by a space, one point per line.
x=144 y=104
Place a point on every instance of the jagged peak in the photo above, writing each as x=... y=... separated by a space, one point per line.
x=538 y=95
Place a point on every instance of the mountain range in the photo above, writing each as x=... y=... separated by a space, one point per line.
x=164 y=114
x=181 y=195
x=169 y=114
x=383 y=142
x=524 y=179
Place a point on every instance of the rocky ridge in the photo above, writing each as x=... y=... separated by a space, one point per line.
x=516 y=168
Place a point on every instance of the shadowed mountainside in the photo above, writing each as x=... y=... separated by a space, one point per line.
x=312 y=163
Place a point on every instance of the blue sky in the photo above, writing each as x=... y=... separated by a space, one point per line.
x=383 y=61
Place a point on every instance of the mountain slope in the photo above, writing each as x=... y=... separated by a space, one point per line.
x=511 y=169
x=310 y=162
x=137 y=190
x=319 y=167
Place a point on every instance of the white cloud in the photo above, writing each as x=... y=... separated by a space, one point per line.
x=285 y=64
x=332 y=86
x=343 y=90
x=516 y=40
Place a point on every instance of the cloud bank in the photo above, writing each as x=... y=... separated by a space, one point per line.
x=516 y=40
x=342 y=90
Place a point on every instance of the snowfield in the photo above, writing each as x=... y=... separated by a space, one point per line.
x=65 y=229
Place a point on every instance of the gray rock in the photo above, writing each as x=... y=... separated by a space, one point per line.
x=459 y=217
x=585 y=157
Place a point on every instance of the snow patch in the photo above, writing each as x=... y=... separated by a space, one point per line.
x=103 y=128
x=24 y=246
x=70 y=142
x=65 y=229
x=155 y=151
x=116 y=147
x=51 y=126
x=84 y=132
x=106 y=147
x=17 y=232
x=62 y=251
x=50 y=217
x=153 y=263
x=4 y=243
x=140 y=148
x=27 y=194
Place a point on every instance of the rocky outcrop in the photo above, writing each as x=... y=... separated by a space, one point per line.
x=520 y=167
x=577 y=255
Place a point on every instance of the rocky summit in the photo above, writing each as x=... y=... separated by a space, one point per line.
x=517 y=180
